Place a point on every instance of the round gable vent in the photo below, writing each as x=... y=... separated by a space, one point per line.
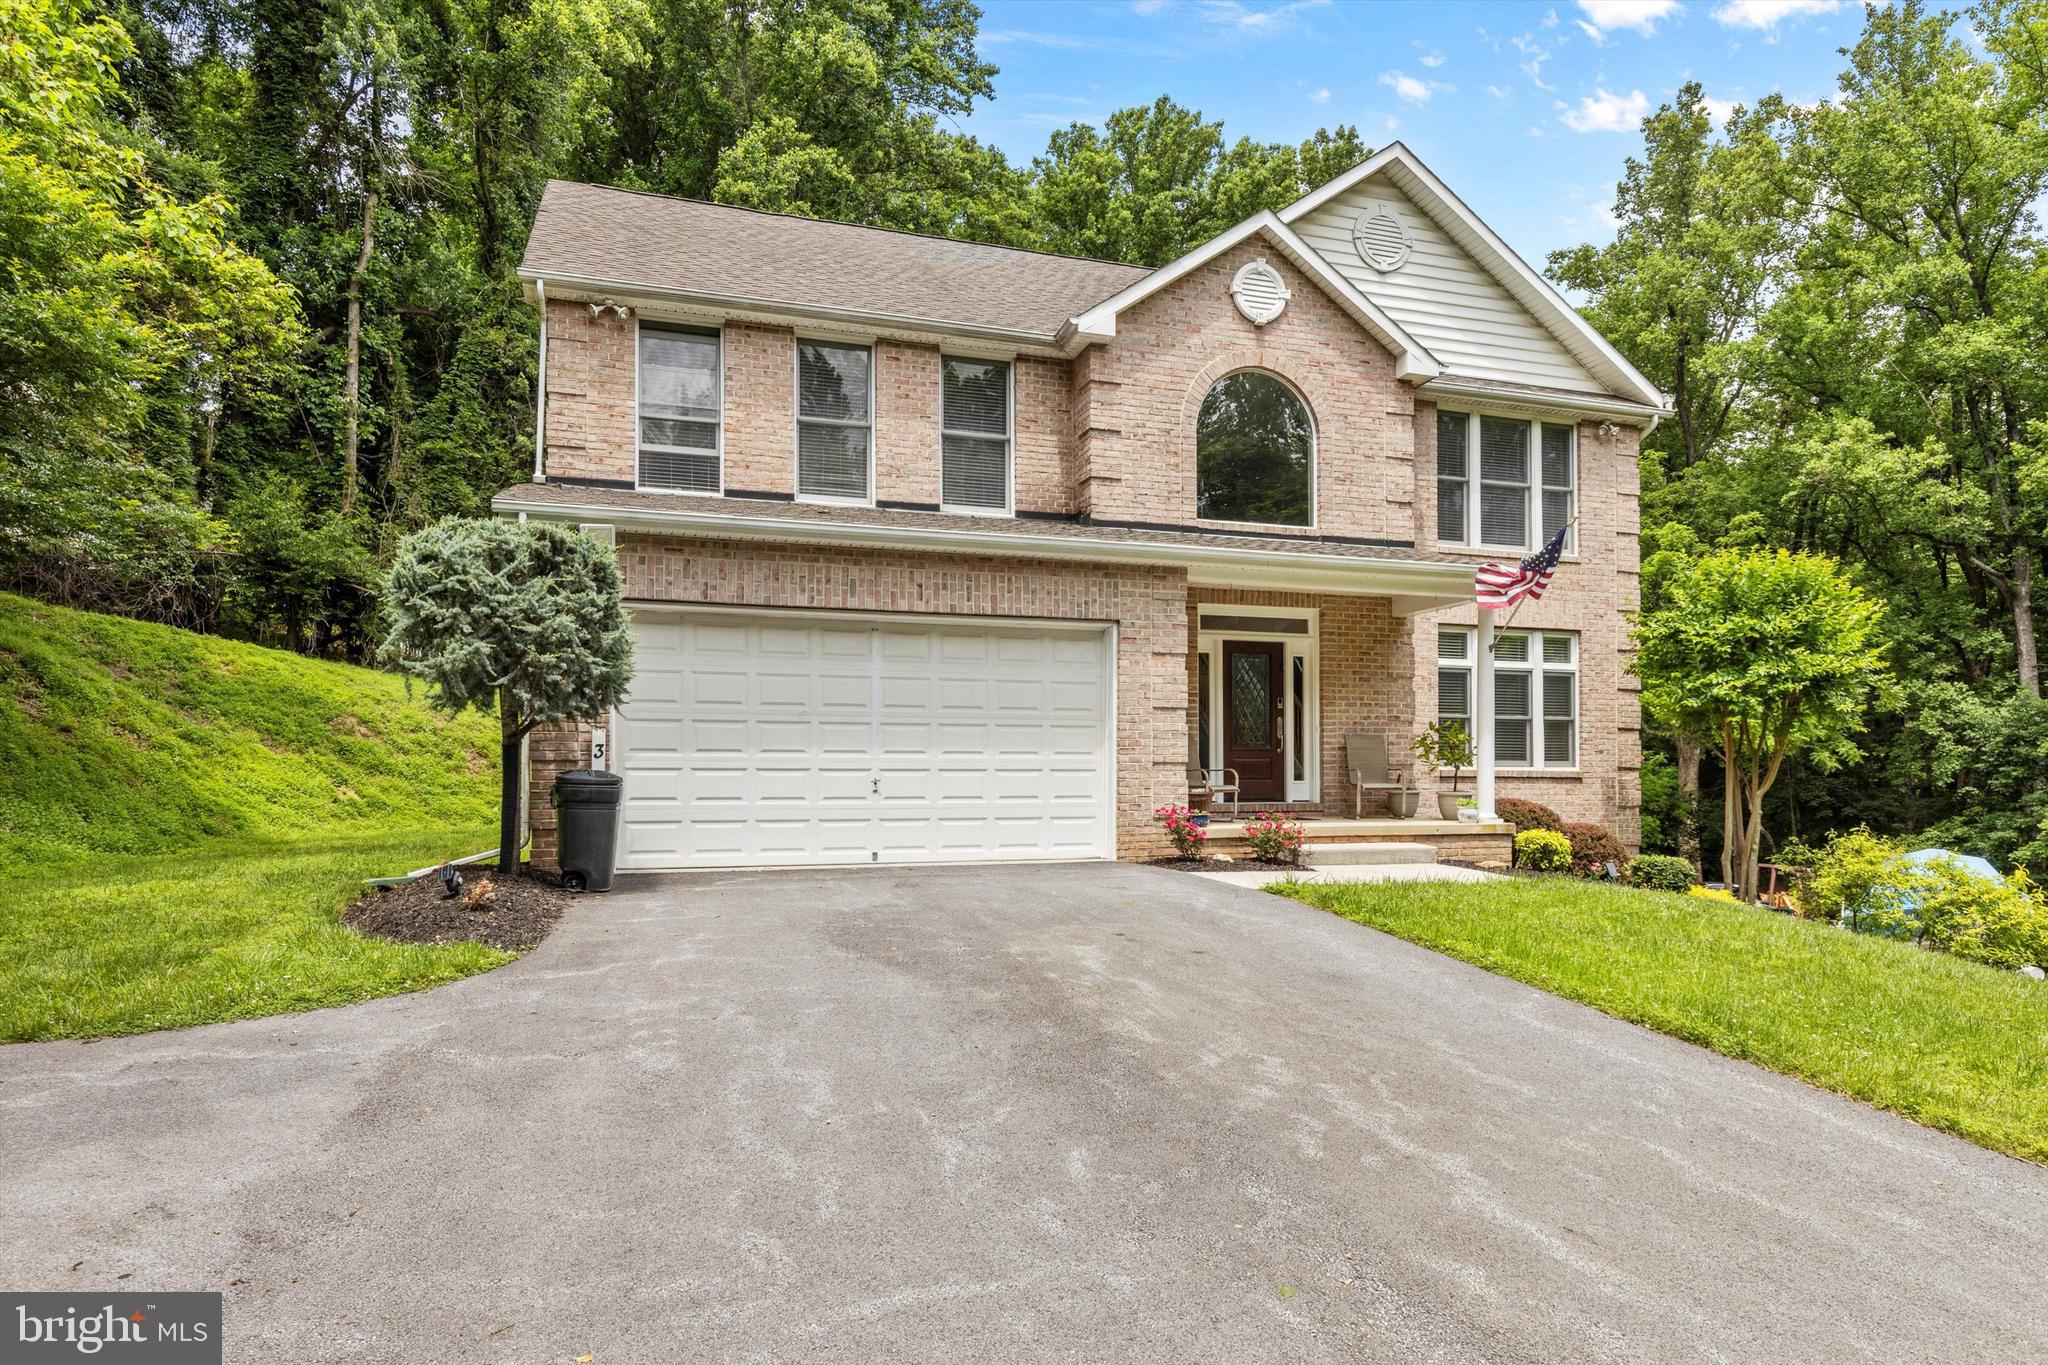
x=1381 y=238
x=1260 y=292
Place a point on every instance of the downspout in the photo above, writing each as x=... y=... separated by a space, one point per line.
x=526 y=740
x=540 y=398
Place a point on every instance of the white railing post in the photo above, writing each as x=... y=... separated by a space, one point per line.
x=1482 y=718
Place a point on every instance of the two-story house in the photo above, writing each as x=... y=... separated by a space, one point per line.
x=942 y=551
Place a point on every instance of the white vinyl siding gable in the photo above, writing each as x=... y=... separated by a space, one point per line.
x=1443 y=298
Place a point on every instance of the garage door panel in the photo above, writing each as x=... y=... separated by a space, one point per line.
x=785 y=741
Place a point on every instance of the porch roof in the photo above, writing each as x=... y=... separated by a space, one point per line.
x=1417 y=581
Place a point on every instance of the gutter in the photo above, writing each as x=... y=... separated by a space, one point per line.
x=1451 y=579
x=1561 y=404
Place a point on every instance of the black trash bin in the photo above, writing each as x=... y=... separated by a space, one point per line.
x=587 y=802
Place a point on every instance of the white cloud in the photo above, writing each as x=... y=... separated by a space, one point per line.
x=1534 y=55
x=1640 y=15
x=998 y=37
x=1149 y=6
x=1606 y=112
x=1411 y=88
x=1599 y=38
x=1234 y=14
x=1718 y=109
x=1767 y=14
x=1321 y=96
x=1550 y=18
x=1499 y=92
x=1431 y=58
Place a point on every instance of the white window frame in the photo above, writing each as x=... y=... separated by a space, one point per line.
x=1009 y=436
x=710 y=329
x=1537 y=668
x=1534 y=487
x=1308 y=648
x=797 y=418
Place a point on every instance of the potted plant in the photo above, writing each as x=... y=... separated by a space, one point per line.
x=1445 y=747
x=1468 y=809
x=1402 y=803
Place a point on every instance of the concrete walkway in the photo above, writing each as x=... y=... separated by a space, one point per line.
x=1387 y=872
x=1082 y=1113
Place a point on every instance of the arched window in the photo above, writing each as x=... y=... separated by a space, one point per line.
x=1254 y=453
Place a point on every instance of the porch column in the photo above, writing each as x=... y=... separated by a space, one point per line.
x=1482 y=719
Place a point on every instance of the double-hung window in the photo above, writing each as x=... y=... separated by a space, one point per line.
x=974 y=434
x=1535 y=693
x=834 y=421
x=1503 y=482
x=680 y=382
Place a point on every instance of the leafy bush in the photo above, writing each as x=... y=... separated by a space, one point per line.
x=1188 y=837
x=2001 y=924
x=1274 y=838
x=1527 y=815
x=1660 y=872
x=1542 y=850
x=1592 y=849
x=1864 y=879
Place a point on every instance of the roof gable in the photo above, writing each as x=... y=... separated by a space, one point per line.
x=1462 y=291
x=1412 y=360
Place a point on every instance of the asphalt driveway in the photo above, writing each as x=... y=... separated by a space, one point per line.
x=1064 y=1113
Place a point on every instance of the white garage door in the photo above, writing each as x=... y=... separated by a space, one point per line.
x=755 y=741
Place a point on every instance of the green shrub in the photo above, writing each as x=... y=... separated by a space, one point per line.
x=1592 y=849
x=1862 y=879
x=2001 y=924
x=1660 y=872
x=1542 y=850
x=1528 y=815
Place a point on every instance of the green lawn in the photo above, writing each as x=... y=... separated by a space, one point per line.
x=1948 y=1043
x=182 y=819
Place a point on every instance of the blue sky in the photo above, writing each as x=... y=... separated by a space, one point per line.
x=1526 y=110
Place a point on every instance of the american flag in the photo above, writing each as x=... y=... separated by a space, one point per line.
x=1498 y=586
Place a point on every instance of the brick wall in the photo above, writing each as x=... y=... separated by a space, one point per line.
x=1148 y=607
x=907 y=423
x=591 y=418
x=1592 y=594
x=1136 y=400
x=590 y=399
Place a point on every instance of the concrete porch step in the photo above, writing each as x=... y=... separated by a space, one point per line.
x=1365 y=855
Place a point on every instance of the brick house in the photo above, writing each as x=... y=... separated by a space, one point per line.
x=942 y=551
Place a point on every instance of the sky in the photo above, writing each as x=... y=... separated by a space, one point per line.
x=1526 y=110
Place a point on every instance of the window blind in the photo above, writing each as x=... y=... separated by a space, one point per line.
x=974 y=433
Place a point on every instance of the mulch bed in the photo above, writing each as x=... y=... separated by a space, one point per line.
x=1224 y=865
x=513 y=913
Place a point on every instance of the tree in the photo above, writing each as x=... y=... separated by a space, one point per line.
x=1759 y=655
x=524 y=616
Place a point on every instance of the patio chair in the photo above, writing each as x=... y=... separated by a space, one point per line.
x=1220 y=783
x=1365 y=754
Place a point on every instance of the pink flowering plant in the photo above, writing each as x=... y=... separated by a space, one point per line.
x=1188 y=837
x=1275 y=838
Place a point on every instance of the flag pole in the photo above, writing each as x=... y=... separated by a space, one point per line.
x=1494 y=644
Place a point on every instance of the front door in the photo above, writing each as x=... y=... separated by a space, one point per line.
x=1253 y=740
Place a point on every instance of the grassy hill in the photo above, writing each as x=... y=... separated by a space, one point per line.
x=121 y=737
x=182 y=818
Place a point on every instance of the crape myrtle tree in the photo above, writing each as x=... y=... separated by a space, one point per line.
x=1758 y=655
x=524 y=616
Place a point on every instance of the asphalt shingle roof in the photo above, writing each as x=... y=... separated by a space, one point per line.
x=829 y=514
x=627 y=237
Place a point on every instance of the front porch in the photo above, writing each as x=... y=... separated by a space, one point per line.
x=1277 y=685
